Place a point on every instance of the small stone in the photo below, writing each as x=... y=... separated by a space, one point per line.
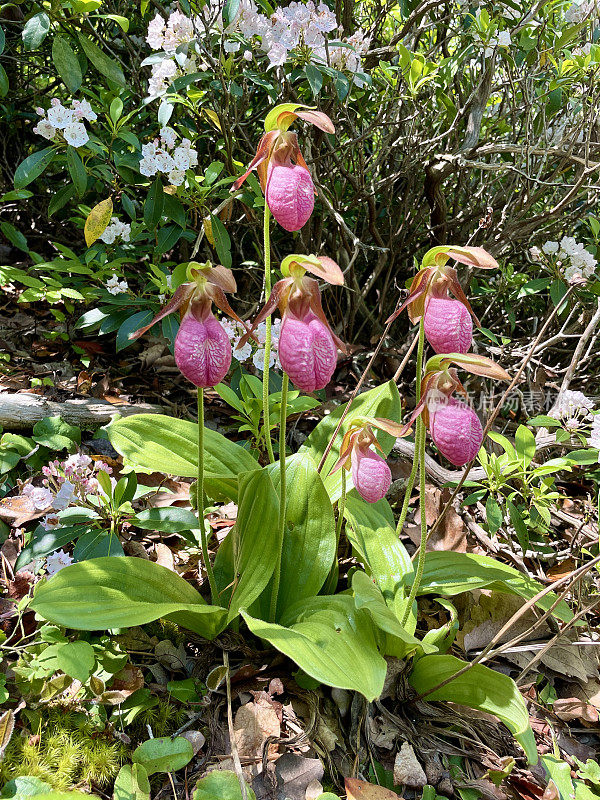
x=407 y=769
x=314 y=790
x=196 y=739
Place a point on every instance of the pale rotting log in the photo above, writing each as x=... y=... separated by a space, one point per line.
x=21 y=411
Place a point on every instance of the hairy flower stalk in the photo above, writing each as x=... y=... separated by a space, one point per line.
x=203 y=355
x=307 y=345
x=267 y=359
x=284 y=176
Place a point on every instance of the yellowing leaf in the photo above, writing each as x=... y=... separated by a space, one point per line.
x=7 y=726
x=97 y=221
x=207 y=223
x=213 y=117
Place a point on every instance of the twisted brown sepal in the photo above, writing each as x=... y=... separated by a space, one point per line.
x=179 y=301
x=360 y=434
x=263 y=153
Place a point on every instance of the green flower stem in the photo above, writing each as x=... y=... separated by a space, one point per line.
x=200 y=499
x=267 y=249
x=341 y=507
x=409 y=485
x=415 y=465
x=423 y=542
x=420 y=436
x=282 y=495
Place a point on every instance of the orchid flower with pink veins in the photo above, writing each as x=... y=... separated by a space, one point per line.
x=202 y=347
x=371 y=475
x=453 y=425
x=448 y=323
x=307 y=345
x=284 y=176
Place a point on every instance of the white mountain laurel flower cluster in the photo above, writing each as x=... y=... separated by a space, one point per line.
x=115 y=230
x=581 y=263
x=68 y=123
x=298 y=25
x=157 y=158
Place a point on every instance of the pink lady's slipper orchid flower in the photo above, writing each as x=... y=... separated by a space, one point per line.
x=447 y=323
x=284 y=177
x=202 y=347
x=307 y=345
x=371 y=475
x=453 y=425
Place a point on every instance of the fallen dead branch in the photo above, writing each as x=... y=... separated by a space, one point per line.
x=21 y=411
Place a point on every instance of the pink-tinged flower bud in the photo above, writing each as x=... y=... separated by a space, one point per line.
x=370 y=474
x=290 y=194
x=307 y=351
x=456 y=430
x=448 y=325
x=202 y=350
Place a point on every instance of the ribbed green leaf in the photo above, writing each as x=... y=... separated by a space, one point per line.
x=332 y=641
x=164 y=444
x=121 y=593
x=480 y=688
x=256 y=545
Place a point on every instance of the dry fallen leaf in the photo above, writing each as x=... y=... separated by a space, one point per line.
x=570 y=708
x=164 y=556
x=361 y=790
x=295 y=774
x=451 y=535
x=254 y=723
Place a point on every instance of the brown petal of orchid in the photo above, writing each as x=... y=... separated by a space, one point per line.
x=179 y=300
x=263 y=152
x=418 y=287
x=457 y=291
x=217 y=295
x=277 y=298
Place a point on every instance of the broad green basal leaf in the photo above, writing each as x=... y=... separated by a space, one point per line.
x=372 y=533
x=479 y=687
x=164 y=444
x=448 y=574
x=332 y=641
x=123 y=592
x=309 y=543
x=396 y=640
x=256 y=544
x=383 y=401
x=223 y=784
